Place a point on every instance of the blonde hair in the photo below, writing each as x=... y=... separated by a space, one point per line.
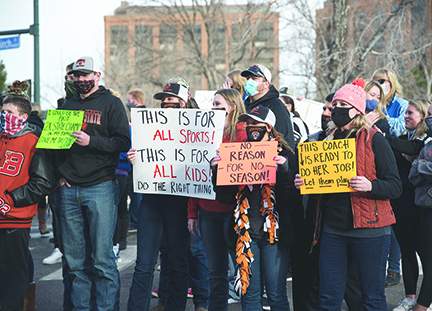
x=381 y=103
x=395 y=87
x=238 y=81
x=118 y=95
x=137 y=94
x=234 y=100
x=422 y=106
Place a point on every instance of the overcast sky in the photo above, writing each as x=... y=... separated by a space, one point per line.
x=68 y=30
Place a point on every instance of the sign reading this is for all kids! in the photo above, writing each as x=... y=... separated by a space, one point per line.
x=327 y=166
x=58 y=126
x=174 y=149
x=247 y=163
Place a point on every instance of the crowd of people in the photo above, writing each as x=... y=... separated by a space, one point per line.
x=248 y=241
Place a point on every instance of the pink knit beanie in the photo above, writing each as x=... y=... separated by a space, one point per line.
x=353 y=95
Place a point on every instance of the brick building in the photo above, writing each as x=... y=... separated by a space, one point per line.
x=145 y=46
x=400 y=47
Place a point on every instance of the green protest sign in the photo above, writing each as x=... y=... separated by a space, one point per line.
x=58 y=126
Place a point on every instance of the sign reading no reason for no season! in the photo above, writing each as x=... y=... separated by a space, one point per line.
x=9 y=43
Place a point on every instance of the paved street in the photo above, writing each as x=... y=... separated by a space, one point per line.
x=50 y=288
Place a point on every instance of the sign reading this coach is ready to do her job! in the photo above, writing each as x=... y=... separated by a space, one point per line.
x=174 y=149
x=327 y=166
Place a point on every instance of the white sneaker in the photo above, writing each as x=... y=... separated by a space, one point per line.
x=55 y=257
x=405 y=304
x=116 y=250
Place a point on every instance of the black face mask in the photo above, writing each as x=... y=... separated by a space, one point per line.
x=325 y=119
x=340 y=116
x=170 y=105
x=83 y=87
x=130 y=105
x=255 y=132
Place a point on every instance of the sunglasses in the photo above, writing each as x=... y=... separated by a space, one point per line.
x=381 y=81
x=257 y=70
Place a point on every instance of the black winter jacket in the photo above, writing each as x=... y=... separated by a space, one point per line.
x=283 y=121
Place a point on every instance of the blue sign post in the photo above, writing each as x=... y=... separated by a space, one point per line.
x=9 y=43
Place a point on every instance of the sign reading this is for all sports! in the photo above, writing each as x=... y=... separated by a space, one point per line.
x=247 y=163
x=327 y=166
x=174 y=149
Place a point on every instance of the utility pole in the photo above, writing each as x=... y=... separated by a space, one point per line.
x=34 y=31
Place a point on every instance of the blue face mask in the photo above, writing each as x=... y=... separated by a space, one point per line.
x=251 y=87
x=371 y=105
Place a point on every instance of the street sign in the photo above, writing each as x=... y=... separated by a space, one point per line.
x=9 y=43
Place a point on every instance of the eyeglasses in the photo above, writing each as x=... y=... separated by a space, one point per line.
x=381 y=81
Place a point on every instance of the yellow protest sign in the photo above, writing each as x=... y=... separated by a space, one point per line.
x=247 y=163
x=327 y=166
x=58 y=126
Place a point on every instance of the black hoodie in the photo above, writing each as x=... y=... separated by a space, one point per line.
x=283 y=122
x=106 y=123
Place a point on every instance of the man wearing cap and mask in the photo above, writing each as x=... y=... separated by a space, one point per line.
x=261 y=92
x=89 y=189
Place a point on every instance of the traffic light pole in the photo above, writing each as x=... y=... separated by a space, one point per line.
x=34 y=31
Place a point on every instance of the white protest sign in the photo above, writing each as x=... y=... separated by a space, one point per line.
x=174 y=148
x=310 y=111
x=204 y=99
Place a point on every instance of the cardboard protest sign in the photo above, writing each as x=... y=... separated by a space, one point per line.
x=58 y=126
x=327 y=166
x=204 y=99
x=174 y=149
x=310 y=111
x=247 y=163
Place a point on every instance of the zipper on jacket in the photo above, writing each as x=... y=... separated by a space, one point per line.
x=376 y=214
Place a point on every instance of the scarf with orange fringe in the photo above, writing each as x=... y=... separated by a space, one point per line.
x=244 y=256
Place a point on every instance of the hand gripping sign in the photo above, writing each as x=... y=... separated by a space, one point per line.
x=174 y=148
x=327 y=166
x=58 y=126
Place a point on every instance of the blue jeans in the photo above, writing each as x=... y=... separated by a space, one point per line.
x=394 y=254
x=370 y=257
x=87 y=221
x=135 y=202
x=213 y=227
x=198 y=271
x=271 y=266
x=169 y=215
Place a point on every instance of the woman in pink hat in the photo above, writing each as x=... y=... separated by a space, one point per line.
x=356 y=225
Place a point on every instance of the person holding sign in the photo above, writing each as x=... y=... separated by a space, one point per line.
x=214 y=215
x=89 y=189
x=158 y=214
x=261 y=231
x=25 y=178
x=356 y=225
